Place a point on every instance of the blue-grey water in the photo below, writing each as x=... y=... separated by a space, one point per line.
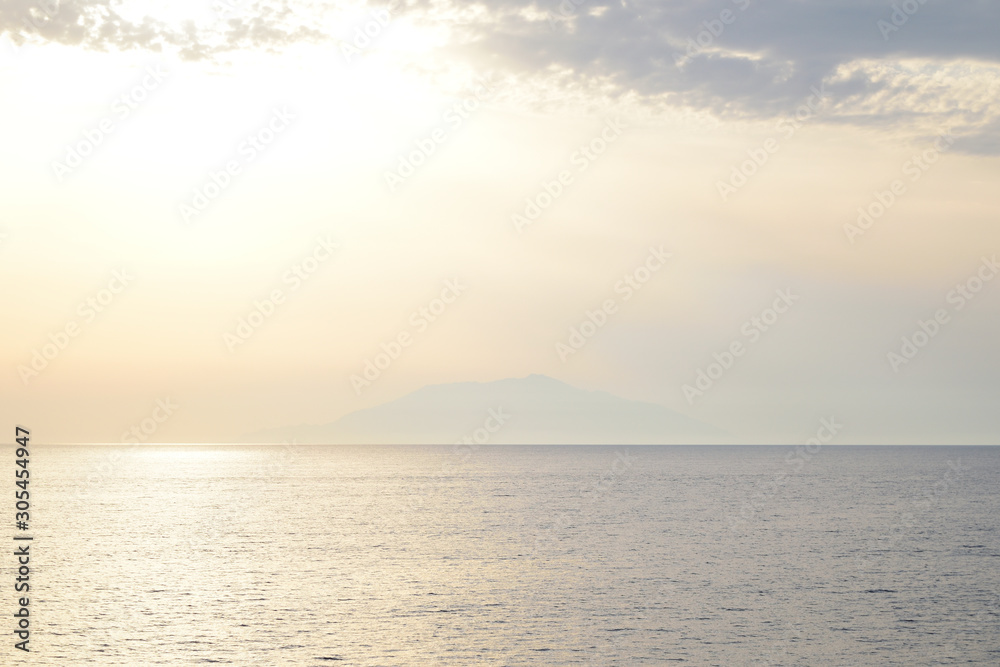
x=296 y=555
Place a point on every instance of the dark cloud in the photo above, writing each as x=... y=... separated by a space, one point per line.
x=748 y=58
x=769 y=53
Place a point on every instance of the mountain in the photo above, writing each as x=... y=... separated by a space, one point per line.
x=532 y=410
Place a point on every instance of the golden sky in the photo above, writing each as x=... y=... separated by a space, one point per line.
x=238 y=205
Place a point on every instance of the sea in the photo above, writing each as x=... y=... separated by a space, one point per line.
x=511 y=555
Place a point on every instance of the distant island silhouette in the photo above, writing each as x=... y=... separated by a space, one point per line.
x=533 y=410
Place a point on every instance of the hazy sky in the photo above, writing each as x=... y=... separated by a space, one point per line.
x=456 y=185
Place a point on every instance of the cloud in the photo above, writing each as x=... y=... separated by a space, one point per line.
x=928 y=66
x=104 y=25
x=744 y=57
x=938 y=68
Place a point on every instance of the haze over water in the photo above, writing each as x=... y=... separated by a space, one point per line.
x=369 y=227
x=298 y=555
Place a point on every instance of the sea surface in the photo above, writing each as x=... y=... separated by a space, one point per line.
x=302 y=555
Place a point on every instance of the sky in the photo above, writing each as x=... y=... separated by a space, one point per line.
x=222 y=217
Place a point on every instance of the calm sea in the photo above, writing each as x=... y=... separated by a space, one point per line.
x=298 y=555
